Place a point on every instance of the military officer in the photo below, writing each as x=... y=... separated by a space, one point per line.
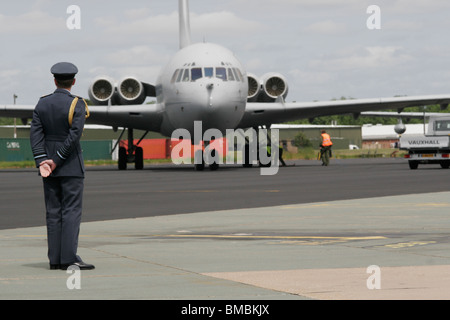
x=56 y=129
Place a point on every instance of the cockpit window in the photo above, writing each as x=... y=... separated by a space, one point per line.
x=238 y=74
x=209 y=72
x=175 y=75
x=186 y=75
x=180 y=75
x=193 y=74
x=231 y=76
x=221 y=73
x=196 y=73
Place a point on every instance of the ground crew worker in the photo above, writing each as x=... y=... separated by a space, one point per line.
x=56 y=129
x=325 y=148
x=280 y=155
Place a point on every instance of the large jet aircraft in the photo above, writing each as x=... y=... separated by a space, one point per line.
x=206 y=82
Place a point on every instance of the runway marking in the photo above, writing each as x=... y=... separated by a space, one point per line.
x=311 y=243
x=245 y=236
x=215 y=191
x=274 y=239
x=438 y=204
x=408 y=244
x=298 y=240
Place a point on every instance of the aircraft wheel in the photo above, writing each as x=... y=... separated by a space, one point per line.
x=445 y=164
x=213 y=166
x=199 y=167
x=199 y=162
x=247 y=163
x=139 y=158
x=122 y=158
x=413 y=165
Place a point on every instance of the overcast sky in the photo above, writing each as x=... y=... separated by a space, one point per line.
x=323 y=47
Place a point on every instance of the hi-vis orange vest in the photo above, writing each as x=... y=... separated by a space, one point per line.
x=326 y=140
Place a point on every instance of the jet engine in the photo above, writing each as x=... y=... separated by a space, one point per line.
x=266 y=89
x=273 y=85
x=101 y=91
x=254 y=88
x=131 y=91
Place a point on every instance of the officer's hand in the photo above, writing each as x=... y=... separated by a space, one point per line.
x=46 y=167
x=51 y=164
x=45 y=170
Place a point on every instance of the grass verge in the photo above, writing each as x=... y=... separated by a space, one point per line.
x=303 y=154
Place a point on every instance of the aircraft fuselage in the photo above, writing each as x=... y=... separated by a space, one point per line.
x=202 y=82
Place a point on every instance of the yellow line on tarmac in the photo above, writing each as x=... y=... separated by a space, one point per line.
x=231 y=236
x=224 y=236
x=215 y=191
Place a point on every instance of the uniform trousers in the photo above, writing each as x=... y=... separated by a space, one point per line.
x=325 y=153
x=63 y=202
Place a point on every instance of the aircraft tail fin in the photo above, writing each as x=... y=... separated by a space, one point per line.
x=185 y=26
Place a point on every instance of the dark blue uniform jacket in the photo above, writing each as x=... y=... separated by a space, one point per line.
x=52 y=137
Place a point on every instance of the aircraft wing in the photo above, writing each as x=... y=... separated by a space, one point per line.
x=277 y=112
x=146 y=117
x=408 y=115
x=143 y=116
x=150 y=116
x=17 y=111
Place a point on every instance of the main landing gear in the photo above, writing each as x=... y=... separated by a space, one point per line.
x=211 y=159
x=251 y=148
x=131 y=153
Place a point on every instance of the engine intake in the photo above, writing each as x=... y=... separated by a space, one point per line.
x=131 y=91
x=101 y=91
x=254 y=88
x=266 y=89
x=273 y=86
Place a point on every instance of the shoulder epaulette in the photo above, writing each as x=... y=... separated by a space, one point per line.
x=87 y=108
x=72 y=109
x=47 y=95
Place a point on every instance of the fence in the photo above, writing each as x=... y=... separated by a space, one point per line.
x=20 y=150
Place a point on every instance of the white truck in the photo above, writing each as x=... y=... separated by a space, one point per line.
x=433 y=147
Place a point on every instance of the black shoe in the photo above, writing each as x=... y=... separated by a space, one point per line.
x=82 y=265
x=55 y=266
